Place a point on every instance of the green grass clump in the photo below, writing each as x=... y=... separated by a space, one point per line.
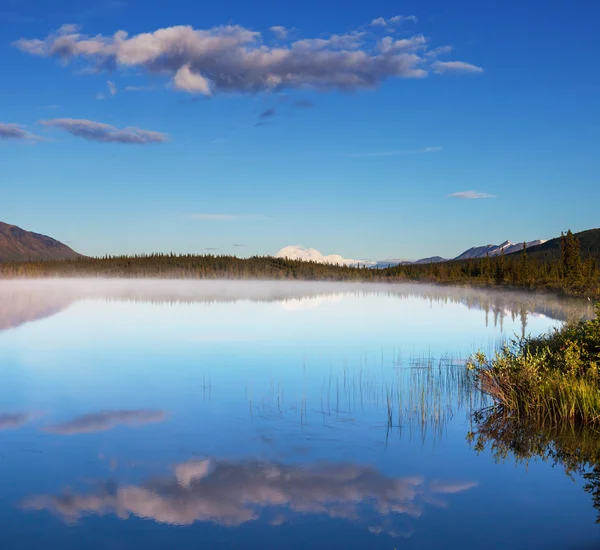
x=553 y=377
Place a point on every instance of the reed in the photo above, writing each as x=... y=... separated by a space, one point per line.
x=551 y=378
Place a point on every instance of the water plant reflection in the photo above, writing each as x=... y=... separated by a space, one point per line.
x=574 y=447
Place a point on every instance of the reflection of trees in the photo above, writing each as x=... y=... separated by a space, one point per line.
x=575 y=448
x=23 y=301
x=231 y=493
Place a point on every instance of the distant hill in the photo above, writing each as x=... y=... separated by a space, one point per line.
x=432 y=260
x=491 y=250
x=589 y=243
x=18 y=245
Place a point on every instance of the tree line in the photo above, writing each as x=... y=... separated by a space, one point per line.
x=566 y=272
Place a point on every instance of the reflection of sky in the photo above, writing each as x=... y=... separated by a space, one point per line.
x=93 y=351
x=145 y=390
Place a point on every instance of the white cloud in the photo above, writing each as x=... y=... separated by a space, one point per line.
x=98 y=131
x=470 y=195
x=232 y=58
x=396 y=20
x=379 y=22
x=389 y=45
x=403 y=18
x=189 y=81
x=16 y=132
x=279 y=31
x=456 y=67
x=112 y=87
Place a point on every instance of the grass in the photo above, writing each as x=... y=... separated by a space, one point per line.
x=550 y=378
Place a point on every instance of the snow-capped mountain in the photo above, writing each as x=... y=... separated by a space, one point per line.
x=302 y=253
x=298 y=252
x=495 y=250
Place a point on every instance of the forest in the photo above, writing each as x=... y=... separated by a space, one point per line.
x=562 y=268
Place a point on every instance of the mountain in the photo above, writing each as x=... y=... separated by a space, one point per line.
x=432 y=260
x=382 y=264
x=495 y=250
x=589 y=245
x=17 y=245
x=297 y=252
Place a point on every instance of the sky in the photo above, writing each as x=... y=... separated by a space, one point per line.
x=373 y=130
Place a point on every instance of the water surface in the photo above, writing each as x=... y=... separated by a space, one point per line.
x=268 y=415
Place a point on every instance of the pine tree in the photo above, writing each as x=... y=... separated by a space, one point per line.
x=571 y=257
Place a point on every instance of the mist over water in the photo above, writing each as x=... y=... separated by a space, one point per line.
x=262 y=414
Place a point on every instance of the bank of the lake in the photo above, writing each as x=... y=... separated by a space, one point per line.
x=552 y=378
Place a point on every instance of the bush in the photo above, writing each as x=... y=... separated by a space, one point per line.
x=554 y=376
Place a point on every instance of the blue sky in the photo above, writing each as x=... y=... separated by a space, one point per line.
x=336 y=129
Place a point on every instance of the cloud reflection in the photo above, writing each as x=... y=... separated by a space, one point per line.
x=12 y=421
x=105 y=420
x=232 y=493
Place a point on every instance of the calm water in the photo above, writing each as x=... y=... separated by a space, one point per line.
x=166 y=414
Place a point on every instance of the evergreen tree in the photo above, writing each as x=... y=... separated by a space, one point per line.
x=571 y=258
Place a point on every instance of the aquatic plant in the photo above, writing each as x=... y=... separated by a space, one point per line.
x=553 y=377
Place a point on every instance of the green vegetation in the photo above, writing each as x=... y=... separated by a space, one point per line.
x=574 y=447
x=550 y=378
x=188 y=266
x=572 y=268
x=565 y=269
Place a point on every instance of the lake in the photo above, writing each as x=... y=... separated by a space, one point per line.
x=183 y=414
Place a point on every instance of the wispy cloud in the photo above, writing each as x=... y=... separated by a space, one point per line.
x=456 y=67
x=280 y=32
x=112 y=87
x=211 y=248
x=396 y=153
x=396 y=20
x=303 y=104
x=225 y=217
x=238 y=244
x=471 y=195
x=105 y=133
x=269 y=113
x=243 y=61
x=138 y=88
x=16 y=132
